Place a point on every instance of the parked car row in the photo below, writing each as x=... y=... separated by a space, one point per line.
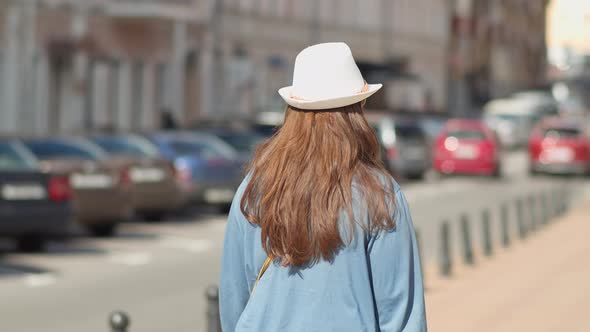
x=556 y=137
x=413 y=146
x=514 y=118
x=100 y=180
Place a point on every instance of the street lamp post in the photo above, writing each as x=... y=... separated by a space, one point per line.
x=315 y=29
x=209 y=62
x=28 y=94
x=76 y=114
x=386 y=27
x=11 y=67
x=178 y=68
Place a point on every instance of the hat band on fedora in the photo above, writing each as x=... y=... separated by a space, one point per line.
x=364 y=89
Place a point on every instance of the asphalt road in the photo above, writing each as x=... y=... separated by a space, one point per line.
x=158 y=272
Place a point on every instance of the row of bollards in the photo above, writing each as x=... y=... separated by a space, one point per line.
x=531 y=213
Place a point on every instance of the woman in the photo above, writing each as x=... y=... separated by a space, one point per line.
x=319 y=204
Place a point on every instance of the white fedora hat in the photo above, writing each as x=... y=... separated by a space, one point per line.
x=326 y=76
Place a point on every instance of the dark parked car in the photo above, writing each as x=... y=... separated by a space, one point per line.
x=404 y=143
x=242 y=140
x=33 y=205
x=155 y=188
x=101 y=187
x=208 y=168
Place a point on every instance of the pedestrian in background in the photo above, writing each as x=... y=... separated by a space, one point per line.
x=167 y=121
x=319 y=236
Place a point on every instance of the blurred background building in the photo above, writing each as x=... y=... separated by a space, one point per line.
x=72 y=65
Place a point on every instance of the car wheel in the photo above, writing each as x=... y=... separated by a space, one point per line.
x=153 y=216
x=438 y=175
x=31 y=243
x=103 y=230
x=415 y=176
x=497 y=172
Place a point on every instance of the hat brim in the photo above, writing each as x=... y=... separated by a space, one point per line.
x=327 y=103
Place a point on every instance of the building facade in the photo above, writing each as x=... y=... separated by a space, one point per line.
x=386 y=41
x=73 y=66
x=497 y=47
x=70 y=66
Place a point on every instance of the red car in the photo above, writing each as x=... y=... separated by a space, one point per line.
x=466 y=147
x=559 y=146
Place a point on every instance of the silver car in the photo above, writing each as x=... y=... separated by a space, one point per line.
x=404 y=146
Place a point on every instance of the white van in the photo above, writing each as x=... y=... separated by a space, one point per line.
x=512 y=119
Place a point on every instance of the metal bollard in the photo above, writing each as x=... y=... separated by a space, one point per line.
x=562 y=201
x=566 y=199
x=487 y=233
x=505 y=230
x=532 y=213
x=544 y=209
x=213 y=319
x=119 y=321
x=556 y=203
x=446 y=263
x=466 y=237
x=522 y=231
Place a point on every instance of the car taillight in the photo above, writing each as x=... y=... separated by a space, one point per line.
x=391 y=152
x=535 y=146
x=125 y=178
x=488 y=150
x=171 y=169
x=59 y=189
x=582 y=150
x=183 y=173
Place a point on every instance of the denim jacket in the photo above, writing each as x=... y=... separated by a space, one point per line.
x=374 y=283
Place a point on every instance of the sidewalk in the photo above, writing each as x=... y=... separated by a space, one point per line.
x=541 y=284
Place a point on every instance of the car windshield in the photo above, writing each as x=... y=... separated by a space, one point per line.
x=432 y=127
x=409 y=132
x=562 y=132
x=15 y=157
x=508 y=117
x=203 y=148
x=471 y=134
x=73 y=149
x=266 y=130
x=243 y=142
x=128 y=146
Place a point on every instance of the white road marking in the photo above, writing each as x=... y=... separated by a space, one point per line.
x=131 y=259
x=192 y=245
x=40 y=280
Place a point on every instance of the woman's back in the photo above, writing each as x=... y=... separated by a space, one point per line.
x=329 y=296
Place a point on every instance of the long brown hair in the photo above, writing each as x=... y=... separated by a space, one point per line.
x=301 y=180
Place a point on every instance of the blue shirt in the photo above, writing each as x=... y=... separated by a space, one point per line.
x=374 y=283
